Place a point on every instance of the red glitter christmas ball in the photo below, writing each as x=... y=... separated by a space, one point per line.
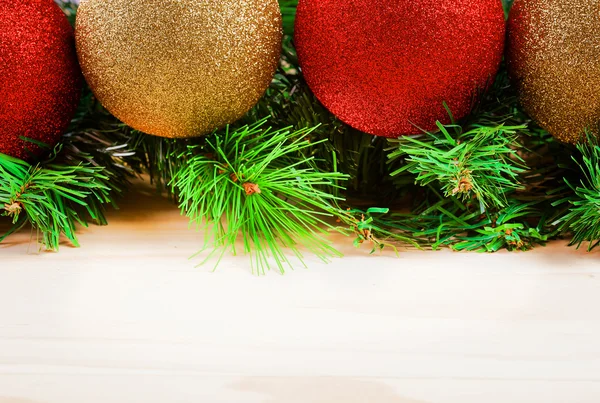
x=40 y=80
x=386 y=67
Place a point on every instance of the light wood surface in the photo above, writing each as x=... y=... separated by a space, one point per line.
x=128 y=318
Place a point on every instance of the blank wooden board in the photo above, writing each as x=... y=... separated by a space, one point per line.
x=129 y=318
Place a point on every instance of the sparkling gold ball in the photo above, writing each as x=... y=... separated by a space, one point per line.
x=178 y=68
x=554 y=60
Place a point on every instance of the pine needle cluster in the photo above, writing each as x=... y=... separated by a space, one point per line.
x=583 y=216
x=249 y=185
x=52 y=198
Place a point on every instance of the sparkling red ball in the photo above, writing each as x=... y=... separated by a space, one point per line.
x=387 y=67
x=40 y=80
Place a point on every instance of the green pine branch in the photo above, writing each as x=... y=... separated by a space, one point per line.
x=482 y=163
x=582 y=218
x=476 y=195
x=249 y=185
x=52 y=198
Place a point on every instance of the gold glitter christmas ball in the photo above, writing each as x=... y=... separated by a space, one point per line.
x=553 y=57
x=178 y=68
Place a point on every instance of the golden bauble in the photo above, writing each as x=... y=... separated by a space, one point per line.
x=554 y=60
x=178 y=68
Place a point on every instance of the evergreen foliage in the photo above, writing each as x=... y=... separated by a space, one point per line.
x=583 y=216
x=250 y=183
x=279 y=179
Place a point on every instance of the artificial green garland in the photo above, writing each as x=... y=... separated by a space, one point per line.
x=290 y=171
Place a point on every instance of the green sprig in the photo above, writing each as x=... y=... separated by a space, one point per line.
x=482 y=163
x=53 y=199
x=249 y=185
x=583 y=216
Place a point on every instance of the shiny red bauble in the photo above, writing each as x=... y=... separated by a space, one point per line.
x=40 y=80
x=387 y=67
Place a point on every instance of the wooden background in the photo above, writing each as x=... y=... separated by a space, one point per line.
x=128 y=318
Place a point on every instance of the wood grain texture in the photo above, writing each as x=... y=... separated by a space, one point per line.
x=128 y=318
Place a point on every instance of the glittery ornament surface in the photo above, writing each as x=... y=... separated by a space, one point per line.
x=178 y=68
x=386 y=67
x=554 y=59
x=40 y=81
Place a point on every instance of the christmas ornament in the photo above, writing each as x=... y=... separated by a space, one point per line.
x=387 y=67
x=40 y=81
x=554 y=60
x=178 y=68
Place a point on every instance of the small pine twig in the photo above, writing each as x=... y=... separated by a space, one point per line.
x=582 y=218
x=367 y=228
x=248 y=184
x=52 y=199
